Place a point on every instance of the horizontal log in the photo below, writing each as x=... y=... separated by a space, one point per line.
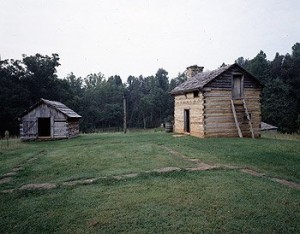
x=212 y=135
x=219 y=109
x=227 y=125
x=220 y=93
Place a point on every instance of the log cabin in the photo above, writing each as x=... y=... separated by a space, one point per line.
x=221 y=103
x=48 y=120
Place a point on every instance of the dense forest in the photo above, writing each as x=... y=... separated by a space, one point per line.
x=99 y=100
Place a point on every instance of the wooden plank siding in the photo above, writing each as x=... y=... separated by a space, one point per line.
x=225 y=80
x=29 y=126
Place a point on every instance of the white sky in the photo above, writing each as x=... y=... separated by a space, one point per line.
x=133 y=37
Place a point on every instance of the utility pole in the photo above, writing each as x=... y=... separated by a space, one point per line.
x=125 y=114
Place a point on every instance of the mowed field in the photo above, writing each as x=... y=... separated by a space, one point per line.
x=150 y=182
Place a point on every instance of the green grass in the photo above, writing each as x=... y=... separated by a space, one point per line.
x=220 y=200
x=278 y=158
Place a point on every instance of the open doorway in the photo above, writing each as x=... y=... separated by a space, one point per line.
x=187 y=120
x=44 y=127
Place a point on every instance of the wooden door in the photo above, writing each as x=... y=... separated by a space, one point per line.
x=187 y=120
x=237 y=87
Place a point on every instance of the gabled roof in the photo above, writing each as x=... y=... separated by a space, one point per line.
x=69 y=113
x=203 y=78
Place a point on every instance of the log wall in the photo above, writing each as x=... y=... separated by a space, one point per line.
x=218 y=116
x=195 y=105
x=211 y=113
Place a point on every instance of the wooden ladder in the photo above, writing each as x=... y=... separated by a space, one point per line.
x=248 y=118
x=236 y=120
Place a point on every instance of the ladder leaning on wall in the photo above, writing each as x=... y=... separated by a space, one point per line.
x=237 y=124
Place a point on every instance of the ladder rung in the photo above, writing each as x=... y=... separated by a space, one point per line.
x=248 y=118
x=236 y=120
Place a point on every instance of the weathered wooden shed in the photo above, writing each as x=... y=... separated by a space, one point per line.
x=221 y=103
x=49 y=120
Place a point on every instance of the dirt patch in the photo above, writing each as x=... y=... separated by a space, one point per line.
x=280 y=181
x=7 y=191
x=174 y=152
x=251 y=172
x=5 y=180
x=93 y=223
x=81 y=182
x=193 y=160
x=179 y=135
x=202 y=167
x=38 y=186
x=16 y=169
x=132 y=175
x=31 y=160
x=167 y=169
x=229 y=167
x=9 y=174
x=287 y=183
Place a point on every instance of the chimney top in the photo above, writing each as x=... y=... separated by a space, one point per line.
x=191 y=71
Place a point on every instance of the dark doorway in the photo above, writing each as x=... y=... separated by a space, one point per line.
x=237 y=87
x=44 y=127
x=187 y=120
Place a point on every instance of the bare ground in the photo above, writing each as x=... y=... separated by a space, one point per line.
x=38 y=186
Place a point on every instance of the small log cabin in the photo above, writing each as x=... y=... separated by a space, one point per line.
x=221 y=103
x=49 y=120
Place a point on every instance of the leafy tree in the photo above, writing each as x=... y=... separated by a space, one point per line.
x=13 y=97
x=280 y=95
x=100 y=100
x=259 y=66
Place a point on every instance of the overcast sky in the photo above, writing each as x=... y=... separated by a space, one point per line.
x=133 y=37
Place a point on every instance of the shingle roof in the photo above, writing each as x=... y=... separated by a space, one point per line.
x=62 y=108
x=56 y=105
x=201 y=79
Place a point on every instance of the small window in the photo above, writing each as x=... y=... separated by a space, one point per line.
x=196 y=94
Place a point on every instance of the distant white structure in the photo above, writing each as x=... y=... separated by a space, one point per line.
x=268 y=127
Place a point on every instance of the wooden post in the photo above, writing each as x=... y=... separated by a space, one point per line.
x=125 y=113
x=6 y=134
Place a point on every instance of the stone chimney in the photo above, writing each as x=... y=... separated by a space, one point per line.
x=191 y=71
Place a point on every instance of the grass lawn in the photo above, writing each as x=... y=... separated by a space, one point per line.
x=219 y=200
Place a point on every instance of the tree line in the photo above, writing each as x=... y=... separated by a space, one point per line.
x=281 y=93
x=99 y=100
